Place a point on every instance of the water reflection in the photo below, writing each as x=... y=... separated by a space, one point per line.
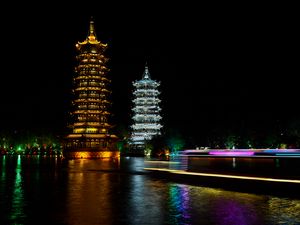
x=145 y=201
x=3 y=173
x=289 y=211
x=179 y=208
x=56 y=191
x=90 y=191
x=17 y=207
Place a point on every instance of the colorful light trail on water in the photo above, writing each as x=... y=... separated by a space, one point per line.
x=231 y=153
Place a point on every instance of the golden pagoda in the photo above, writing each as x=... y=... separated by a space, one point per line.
x=90 y=137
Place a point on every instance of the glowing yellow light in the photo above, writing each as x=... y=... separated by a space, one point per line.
x=78 y=130
x=91 y=130
x=99 y=154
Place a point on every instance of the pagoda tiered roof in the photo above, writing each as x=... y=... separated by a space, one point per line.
x=91 y=38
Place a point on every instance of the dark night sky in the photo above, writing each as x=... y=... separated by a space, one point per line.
x=220 y=66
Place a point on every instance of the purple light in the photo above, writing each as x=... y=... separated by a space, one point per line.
x=231 y=153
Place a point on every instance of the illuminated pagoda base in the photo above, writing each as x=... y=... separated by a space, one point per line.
x=90 y=153
x=90 y=136
x=80 y=147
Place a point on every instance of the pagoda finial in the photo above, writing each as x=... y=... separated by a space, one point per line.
x=92 y=33
x=146 y=72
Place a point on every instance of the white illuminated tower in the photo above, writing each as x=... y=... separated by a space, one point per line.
x=146 y=112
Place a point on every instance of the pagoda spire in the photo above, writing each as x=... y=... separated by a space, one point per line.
x=92 y=33
x=91 y=37
x=146 y=74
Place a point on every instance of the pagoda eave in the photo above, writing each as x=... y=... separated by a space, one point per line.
x=77 y=136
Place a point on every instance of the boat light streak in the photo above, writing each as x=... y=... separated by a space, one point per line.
x=224 y=175
x=288 y=154
x=231 y=153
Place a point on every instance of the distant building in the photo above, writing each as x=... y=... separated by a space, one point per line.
x=90 y=136
x=146 y=112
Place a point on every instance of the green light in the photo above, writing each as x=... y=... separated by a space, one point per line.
x=18 y=194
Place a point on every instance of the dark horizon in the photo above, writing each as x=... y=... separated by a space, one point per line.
x=219 y=70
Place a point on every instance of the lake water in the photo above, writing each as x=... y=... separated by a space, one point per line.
x=46 y=190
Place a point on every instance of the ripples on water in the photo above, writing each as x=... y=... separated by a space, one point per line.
x=38 y=190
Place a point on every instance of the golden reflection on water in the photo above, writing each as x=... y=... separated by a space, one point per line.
x=284 y=211
x=89 y=194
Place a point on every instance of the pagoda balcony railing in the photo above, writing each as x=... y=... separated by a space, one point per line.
x=144 y=115
x=143 y=134
x=91 y=93
x=87 y=75
x=91 y=88
x=148 y=92
x=147 y=101
x=146 y=119
x=147 y=111
x=146 y=88
x=145 y=95
x=86 y=65
x=99 y=68
x=91 y=124
x=153 y=128
x=146 y=85
x=86 y=96
x=151 y=98
x=94 y=95
x=91 y=73
x=143 y=104
x=146 y=126
x=93 y=119
x=146 y=108
x=142 y=124
x=91 y=84
x=151 y=122
x=91 y=112
x=91 y=100
x=90 y=107
x=82 y=76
